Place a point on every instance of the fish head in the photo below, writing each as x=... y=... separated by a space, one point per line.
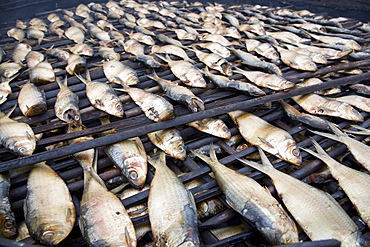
x=308 y=65
x=176 y=146
x=115 y=108
x=9 y=72
x=71 y=115
x=226 y=68
x=4 y=87
x=136 y=171
x=195 y=79
x=289 y=237
x=220 y=129
x=346 y=111
x=8 y=227
x=24 y=147
x=289 y=151
x=52 y=233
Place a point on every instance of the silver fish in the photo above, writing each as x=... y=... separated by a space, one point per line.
x=316 y=220
x=102 y=96
x=254 y=202
x=31 y=100
x=20 y=52
x=115 y=69
x=5 y=88
x=213 y=126
x=172 y=49
x=154 y=106
x=76 y=64
x=215 y=48
x=272 y=139
x=42 y=73
x=169 y=141
x=48 y=208
x=224 y=82
x=75 y=34
x=214 y=61
x=8 y=226
x=179 y=93
x=129 y=156
x=66 y=106
x=168 y=196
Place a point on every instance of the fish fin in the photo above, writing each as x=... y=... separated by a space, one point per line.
x=212 y=153
x=266 y=143
x=325 y=109
x=331 y=136
x=202 y=157
x=81 y=78
x=124 y=85
x=129 y=241
x=160 y=161
x=12 y=110
x=80 y=224
x=92 y=173
x=158 y=139
x=266 y=166
x=88 y=77
x=336 y=130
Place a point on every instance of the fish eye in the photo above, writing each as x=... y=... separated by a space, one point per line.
x=48 y=234
x=8 y=224
x=181 y=149
x=22 y=149
x=295 y=152
x=133 y=174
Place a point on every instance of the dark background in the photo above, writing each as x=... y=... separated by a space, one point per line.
x=10 y=10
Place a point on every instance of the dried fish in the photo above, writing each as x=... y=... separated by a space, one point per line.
x=186 y=72
x=355 y=184
x=108 y=53
x=168 y=196
x=357 y=101
x=173 y=50
x=129 y=156
x=42 y=73
x=316 y=220
x=272 y=139
x=66 y=106
x=214 y=61
x=48 y=209
x=134 y=47
x=252 y=201
x=215 y=48
x=169 y=141
x=31 y=100
x=225 y=82
x=20 y=52
x=115 y=69
x=62 y=55
x=213 y=126
x=143 y=38
x=8 y=226
x=102 y=96
x=5 y=88
x=76 y=64
x=33 y=58
x=16 y=33
x=297 y=60
x=9 y=69
x=179 y=93
x=75 y=34
x=82 y=49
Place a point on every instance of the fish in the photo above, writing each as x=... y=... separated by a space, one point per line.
x=86 y=157
x=20 y=24
x=179 y=93
x=16 y=33
x=117 y=37
x=75 y=34
x=188 y=73
x=168 y=197
x=272 y=139
x=255 y=28
x=9 y=69
x=154 y=106
x=147 y=60
x=310 y=120
x=255 y=62
x=134 y=47
x=297 y=60
x=103 y=219
x=31 y=100
x=163 y=38
x=82 y=49
x=288 y=37
x=214 y=61
x=215 y=48
x=102 y=96
x=224 y=82
x=351 y=44
x=42 y=73
x=145 y=23
x=166 y=12
x=129 y=157
x=357 y=101
x=97 y=32
x=315 y=56
x=144 y=31
x=355 y=183
x=316 y=104
x=232 y=19
x=170 y=141
x=66 y=105
x=316 y=220
x=33 y=58
x=8 y=225
x=115 y=69
x=104 y=25
x=62 y=55
x=20 y=52
x=361 y=88
x=331 y=54
x=5 y=88
x=358 y=149
x=15 y=136
x=268 y=51
x=172 y=49
x=262 y=79
x=212 y=126
x=76 y=64
x=35 y=33
x=48 y=208
x=316 y=81
x=253 y=202
x=184 y=35
x=217 y=38
x=108 y=53
x=189 y=29
x=141 y=37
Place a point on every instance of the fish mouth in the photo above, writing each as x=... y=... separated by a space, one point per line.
x=71 y=115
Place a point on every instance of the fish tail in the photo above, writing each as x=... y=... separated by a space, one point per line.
x=90 y=173
x=124 y=85
x=11 y=110
x=158 y=162
x=155 y=77
x=266 y=166
x=331 y=136
x=208 y=160
x=336 y=130
x=320 y=151
x=64 y=83
x=81 y=78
